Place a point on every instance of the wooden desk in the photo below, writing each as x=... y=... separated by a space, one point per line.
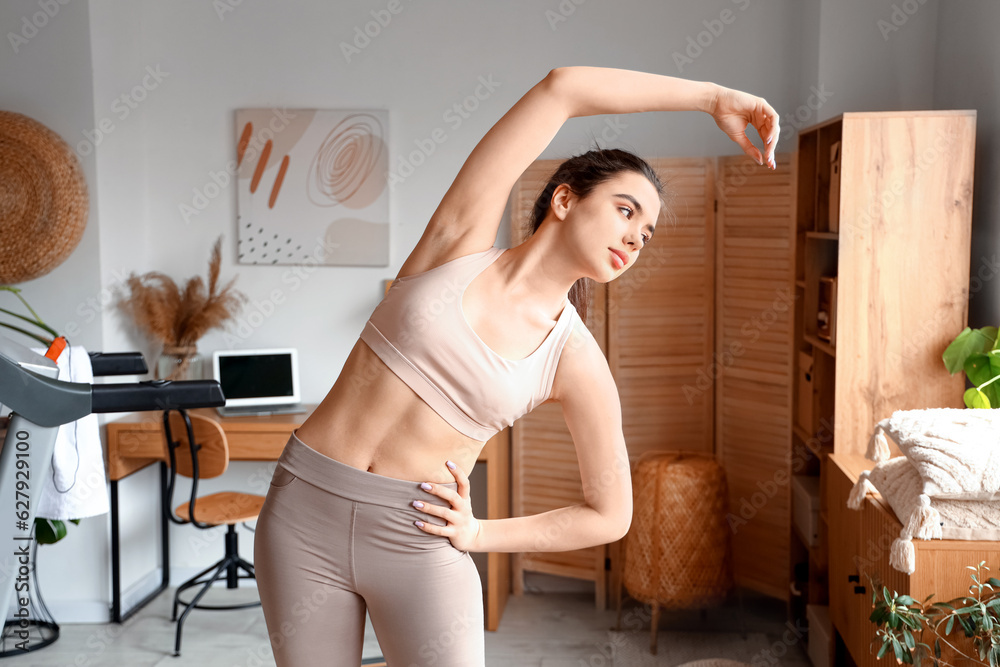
x=136 y=441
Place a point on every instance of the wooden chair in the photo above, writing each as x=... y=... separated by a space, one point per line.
x=209 y=457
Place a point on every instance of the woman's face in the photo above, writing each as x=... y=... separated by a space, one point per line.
x=618 y=215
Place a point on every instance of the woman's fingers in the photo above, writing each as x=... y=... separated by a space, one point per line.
x=736 y=110
x=774 y=129
x=442 y=492
x=460 y=477
x=769 y=130
x=462 y=528
x=744 y=141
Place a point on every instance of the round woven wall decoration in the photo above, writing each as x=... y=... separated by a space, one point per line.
x=43 y=199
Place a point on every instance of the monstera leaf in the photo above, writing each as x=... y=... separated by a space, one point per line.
x=977 y=352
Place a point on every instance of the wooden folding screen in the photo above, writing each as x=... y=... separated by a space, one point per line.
x=655 y=325
x=754 y=331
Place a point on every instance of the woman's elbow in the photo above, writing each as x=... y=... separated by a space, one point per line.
x=559 y=83
x=621 y=524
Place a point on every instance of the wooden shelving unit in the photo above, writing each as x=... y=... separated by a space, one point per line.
x=883 y=234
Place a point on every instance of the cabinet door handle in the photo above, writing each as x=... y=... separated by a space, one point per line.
x=854 y=577
x=859 y=590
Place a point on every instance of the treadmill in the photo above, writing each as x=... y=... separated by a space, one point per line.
x=39 y=404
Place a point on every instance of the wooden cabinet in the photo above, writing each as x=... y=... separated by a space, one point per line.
x=883 y=232
x=861 y=550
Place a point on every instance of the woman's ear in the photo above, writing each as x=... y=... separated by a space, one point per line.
x=562 y=201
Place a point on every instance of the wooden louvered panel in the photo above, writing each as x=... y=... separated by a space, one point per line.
x=660 y=325
x=661 y=319
x=545 y=473
x=755 y=308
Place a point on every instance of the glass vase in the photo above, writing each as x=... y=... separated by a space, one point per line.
x=179 y=363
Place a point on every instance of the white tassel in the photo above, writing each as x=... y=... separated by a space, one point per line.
x=878 y=446
x=925 y=522
x=902 y=556
x=860 y=491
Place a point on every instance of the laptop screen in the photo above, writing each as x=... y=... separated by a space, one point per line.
x=257 y=377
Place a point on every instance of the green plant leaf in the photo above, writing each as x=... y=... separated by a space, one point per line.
x=937 y=647
x=49 y=531
x=949 y=625
x=980 y=371
x=967 y=343
x=976 y=399
x=992 y=389
x=883 y=649
x=992 y=332
x=908 y=638
x=977 y=368
x=905 y=599
x=897 y=649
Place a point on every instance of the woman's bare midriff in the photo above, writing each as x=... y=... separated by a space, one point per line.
x=371 y=420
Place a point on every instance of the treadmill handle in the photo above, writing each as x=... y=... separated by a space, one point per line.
x=157 y=395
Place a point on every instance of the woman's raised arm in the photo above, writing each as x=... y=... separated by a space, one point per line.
x=467 y=219
x=587 y=91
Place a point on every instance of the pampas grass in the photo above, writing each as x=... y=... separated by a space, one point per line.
x=175 y=317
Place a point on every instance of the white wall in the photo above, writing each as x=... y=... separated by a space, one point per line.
x=877 y=55
x=966 y=78
x=426 y=59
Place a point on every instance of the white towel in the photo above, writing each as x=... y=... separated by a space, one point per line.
x=77 y=485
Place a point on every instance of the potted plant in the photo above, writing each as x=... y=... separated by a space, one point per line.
x=977 y=352
x=903 y=621
x=177 y=318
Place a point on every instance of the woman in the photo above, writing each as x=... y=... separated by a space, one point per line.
x=436 y=371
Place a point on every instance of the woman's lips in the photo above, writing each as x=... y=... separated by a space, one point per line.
x=617 y=259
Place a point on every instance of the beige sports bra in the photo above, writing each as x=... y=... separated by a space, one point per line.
x=419 y=330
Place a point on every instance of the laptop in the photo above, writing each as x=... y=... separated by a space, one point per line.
x=258 y=382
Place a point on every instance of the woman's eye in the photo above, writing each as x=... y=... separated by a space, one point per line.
x=626 y=208
x=645 y=239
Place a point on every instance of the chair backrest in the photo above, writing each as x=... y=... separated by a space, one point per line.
x=212 y=451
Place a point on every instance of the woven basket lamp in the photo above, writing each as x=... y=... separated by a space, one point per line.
x=677 y=552
x=43 y=199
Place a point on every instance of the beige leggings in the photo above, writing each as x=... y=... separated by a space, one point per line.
x=332 y=540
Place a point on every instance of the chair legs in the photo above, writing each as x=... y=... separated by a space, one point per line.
x=231 y=563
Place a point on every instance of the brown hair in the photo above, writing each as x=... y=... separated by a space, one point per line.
x=582 y=173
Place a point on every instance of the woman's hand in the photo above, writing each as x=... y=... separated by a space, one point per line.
x=733 y=110
x=463 y=528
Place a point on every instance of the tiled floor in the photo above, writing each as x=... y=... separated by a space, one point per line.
x=557 y=627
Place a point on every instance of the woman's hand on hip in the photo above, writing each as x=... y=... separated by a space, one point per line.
x=733 y=110
x=462 y=528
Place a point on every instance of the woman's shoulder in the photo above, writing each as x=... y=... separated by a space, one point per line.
x=581 y=361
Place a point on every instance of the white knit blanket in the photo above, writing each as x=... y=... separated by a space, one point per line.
x=955 y=450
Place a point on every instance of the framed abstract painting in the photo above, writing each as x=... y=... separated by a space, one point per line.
x=312 y=186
